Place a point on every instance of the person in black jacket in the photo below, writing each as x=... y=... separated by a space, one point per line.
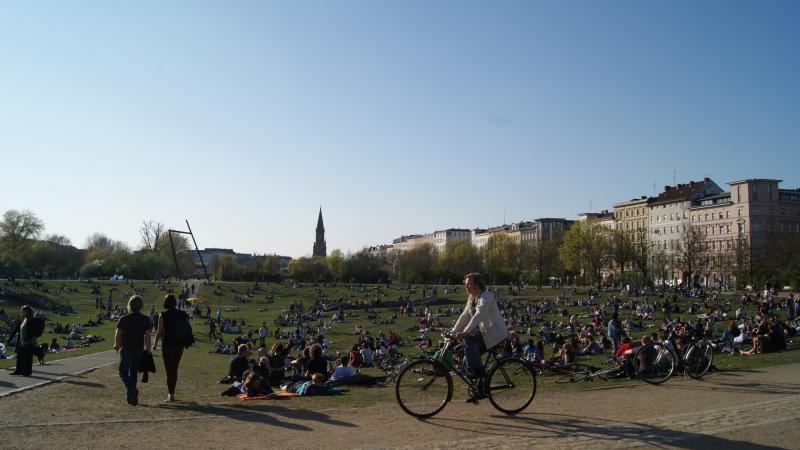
x=132 y=335
x=172 y=350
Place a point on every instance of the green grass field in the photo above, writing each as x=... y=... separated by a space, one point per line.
x=200 y=368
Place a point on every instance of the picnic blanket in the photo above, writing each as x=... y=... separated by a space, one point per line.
x=273 y=396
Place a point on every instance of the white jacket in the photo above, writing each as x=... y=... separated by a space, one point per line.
x=487 y=317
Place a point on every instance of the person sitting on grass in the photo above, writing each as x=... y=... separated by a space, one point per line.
x=757 y=347
x=366 y=354
x=262 y=368
x=54 y=345
x=343 y=370
x=238 y=366
x=590 y=346
x=316 y=363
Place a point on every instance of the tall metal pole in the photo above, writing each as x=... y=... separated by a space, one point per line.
x=199 y=255
x=174 y=256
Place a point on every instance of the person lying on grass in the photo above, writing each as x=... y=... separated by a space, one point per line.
x=256 y=386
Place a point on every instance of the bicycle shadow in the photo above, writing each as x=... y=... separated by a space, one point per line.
x=576 y=431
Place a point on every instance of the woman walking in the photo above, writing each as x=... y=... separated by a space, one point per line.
x=172 y=351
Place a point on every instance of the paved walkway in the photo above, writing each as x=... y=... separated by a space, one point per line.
x=54 y=371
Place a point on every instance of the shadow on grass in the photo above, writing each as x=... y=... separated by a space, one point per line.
x=581 y=430
x=260 y=413
x=84 y=383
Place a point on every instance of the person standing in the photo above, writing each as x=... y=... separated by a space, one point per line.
x=172 y=349
x=481 y=326
x=132 y=335
x=263 y=332
x=25 y=343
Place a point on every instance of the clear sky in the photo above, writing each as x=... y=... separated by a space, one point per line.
x=396 y=117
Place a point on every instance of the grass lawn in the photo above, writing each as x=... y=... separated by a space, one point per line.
x=100 y=393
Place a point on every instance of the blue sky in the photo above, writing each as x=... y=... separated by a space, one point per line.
x=396 y=117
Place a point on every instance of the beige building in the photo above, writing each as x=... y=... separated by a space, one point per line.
x=668 y=223
x=752 y=225
x=442 y=237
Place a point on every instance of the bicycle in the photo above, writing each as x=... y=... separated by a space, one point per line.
x=582 y=372
x=425 y=385
x=656 y=362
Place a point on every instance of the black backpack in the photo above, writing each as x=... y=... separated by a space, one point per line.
x=37 y=326
x=181 y=333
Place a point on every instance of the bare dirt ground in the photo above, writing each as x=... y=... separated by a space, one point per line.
x=744 y=409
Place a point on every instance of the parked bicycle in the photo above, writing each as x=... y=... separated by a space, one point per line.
x=656 y=362
x=425 y=386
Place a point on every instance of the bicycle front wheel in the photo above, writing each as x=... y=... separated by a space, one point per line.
x=699 y=359
x=654 y=363
x=511 y=385
x=423 y=388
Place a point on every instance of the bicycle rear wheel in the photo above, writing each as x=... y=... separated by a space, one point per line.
x=699 y=359
x=654 y=363
x=423 y=388
x=511 y=385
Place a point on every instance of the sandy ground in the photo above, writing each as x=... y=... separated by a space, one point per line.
x=744 y=409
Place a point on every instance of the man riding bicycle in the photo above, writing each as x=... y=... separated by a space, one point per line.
x=480 y=327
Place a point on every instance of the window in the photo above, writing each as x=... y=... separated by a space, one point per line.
x=672 y=217
x=692 y=217
x=753 y=192
x=727 y=214
x=739 y=193
x=706 y=216
x=769 y=192
x=721 y=229
x=729 y=228
x=740 y=213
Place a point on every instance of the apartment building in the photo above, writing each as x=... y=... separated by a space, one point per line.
x=756 y=219
x=668 y=217
x=442 y=237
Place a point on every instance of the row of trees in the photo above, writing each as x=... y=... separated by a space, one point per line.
x=25 y=250
x=587 y=253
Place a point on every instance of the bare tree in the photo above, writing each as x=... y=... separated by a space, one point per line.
x=692 y=254
x=151 y=233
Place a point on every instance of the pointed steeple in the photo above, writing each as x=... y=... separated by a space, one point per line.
x=319 y=244
x=320 y=226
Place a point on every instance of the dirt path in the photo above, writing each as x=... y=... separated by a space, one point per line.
x=744 y=409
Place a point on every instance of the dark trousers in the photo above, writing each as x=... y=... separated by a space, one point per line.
x=129 y=361
x=473 y=348
x=172 y=358
x=25 y=359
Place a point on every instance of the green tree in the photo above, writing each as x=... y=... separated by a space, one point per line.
x=17 y=231
x=502 y=258
x=585 y=249
x=417 y=265
x=337 y=265
x=458 y=258
x=312 y=269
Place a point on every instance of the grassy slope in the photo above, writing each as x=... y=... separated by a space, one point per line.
x=200 y=369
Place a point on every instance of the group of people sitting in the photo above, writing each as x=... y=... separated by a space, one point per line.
x=310 y=373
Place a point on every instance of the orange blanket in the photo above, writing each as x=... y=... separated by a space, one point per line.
x=273 y=396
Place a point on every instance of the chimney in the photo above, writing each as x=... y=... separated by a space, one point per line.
x=666 y=188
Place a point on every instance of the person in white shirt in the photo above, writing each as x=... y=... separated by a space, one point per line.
x=263 y=332
x=343 y=370
x=481 y=325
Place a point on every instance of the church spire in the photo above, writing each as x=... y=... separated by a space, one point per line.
x=319 y=244
x=320 y=226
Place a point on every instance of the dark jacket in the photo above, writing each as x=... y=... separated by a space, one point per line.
x=147 y=365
